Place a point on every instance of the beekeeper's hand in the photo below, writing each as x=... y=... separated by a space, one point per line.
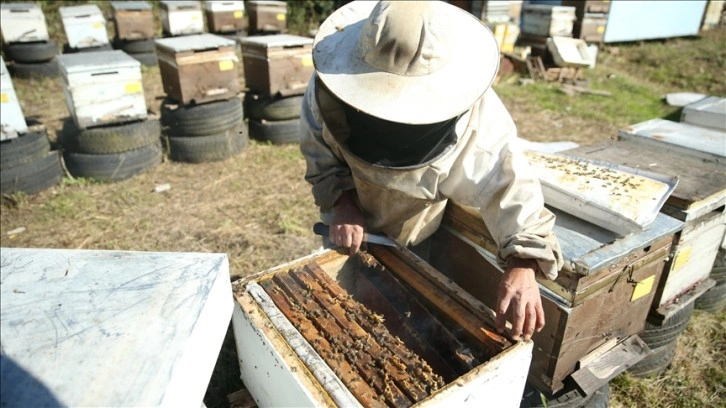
x=519 y=300
x=346 y=228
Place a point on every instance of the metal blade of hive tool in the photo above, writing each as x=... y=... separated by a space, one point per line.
x=322 y=229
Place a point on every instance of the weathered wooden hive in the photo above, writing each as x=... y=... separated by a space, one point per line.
x=379 y=328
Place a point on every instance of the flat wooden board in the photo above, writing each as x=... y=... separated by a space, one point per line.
x=699 y=182
x=111 y=328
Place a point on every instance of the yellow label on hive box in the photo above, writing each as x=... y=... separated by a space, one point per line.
x=4 y=98
x=132 y=87
x=195 y=17
x=238 y=14
x=226 y=65
x=681 y=258
x=97 y=25
x=600 y=29
x=642 y=288
x=280 y=17
x=306 y=61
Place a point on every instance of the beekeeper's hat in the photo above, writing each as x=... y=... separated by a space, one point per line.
x=411 y=62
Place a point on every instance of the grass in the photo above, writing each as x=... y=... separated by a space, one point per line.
x=257 y=208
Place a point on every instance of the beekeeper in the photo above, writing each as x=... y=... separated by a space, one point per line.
x=399 y=117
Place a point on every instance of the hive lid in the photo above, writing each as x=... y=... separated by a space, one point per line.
x=79 y=11
x=194 y=42
x=130 y=5
x=690 y=139
x=180 y=5
x=19 y=6
x=95 y=61
x=277 y=40
x=254 y=3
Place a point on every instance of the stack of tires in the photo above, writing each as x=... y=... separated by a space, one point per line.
x=197 y=133
x=274 y=119
x=33 y=59
x=662 y=340
x=112 y=152
x=714 y=299
x=27 y=163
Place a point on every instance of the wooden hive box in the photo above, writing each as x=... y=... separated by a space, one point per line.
x=378 y=328
x=225 y=16
x=181 y=17
x=12 y=120
x=22 y=22
x=111 y=328
x=84 y=26
x=267 y=16
x=699 y=200
x=102 y=87
x=133 y=20
x=279 y=63
x=597 y=304
x=198 y=68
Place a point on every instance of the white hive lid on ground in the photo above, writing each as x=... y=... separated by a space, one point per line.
x=194 y=42
x=277 y=40
x=96 y=61
x=688 y=138
x=111 y=328
x=130 y=5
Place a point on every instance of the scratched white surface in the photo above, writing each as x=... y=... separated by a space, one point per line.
x=111 y=328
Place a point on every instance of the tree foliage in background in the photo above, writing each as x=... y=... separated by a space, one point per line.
x=304 y=16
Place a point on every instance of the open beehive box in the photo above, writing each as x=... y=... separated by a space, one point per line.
x=379 y=328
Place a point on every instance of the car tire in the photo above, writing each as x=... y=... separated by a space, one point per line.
x=32 y=177
x=569 y=397
x=657 y=361
x=24 y=149
x=276 y=132
x=113 y=167
x=31 y=52
x=146 y=58
x=48 y=69
x=135 y=46
x=660 y=335
x=272 y=108
x=201 y=120
x=110 y=139
x=201 y=149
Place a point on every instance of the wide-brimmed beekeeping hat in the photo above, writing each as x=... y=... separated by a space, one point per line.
x=411 y=62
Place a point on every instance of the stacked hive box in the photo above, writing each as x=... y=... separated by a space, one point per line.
x=181 y=18
x=109 y=136
x=26 y=163
x=267 y=17
x=85 y=29
x=696 y=155
x=277 y=69
x=592 y=17
x=27 y=45
x=135 y=30
x=226 y=17
x=202 y=113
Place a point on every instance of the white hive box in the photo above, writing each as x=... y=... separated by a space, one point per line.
x=708 y=112
x=22 y=22
x=285 y=366
x=102 y=87
x=200 y=68
x=11 y=114
x=84 y=26
x=225 y=16
x=181 y=17
x=111 y=328
x=545 y=20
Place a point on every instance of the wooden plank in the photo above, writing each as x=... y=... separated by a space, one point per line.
x=448 y=306
x=606 y=367
x=700 y=183
x=113 y=328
